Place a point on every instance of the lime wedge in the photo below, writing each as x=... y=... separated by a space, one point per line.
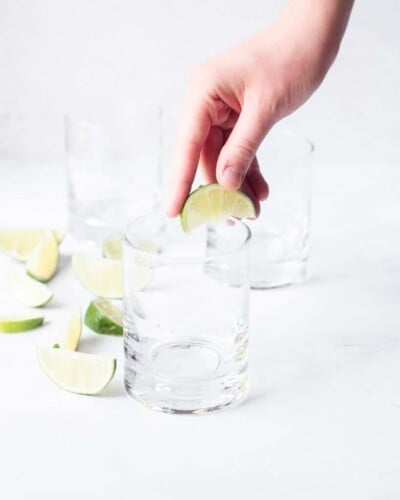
x=102 y=277
x=212 y=203
x=73 y=330
x=140 y=275
x=42 y=263
x=19 y=323
x=75 y=371
x=148 y=246
x=20 y=287
x=102 y=316
x=58 y=235
x=112 y=247
x=20 y=243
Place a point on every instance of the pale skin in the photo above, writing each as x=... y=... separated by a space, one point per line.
x=234 y=99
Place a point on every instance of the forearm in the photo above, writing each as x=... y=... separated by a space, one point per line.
x=326 y=21
x=303 y=42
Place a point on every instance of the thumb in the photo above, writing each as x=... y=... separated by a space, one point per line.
x=240 y=149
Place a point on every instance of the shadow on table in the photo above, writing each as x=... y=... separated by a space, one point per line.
x=114 y=390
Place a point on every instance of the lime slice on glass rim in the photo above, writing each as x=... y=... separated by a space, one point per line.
x=100 y=276
x=20 y=243
x=19 y=323
x=212 y=203
x=102 y=316
x=73 y=331
x=42 y=263
x=77 y=372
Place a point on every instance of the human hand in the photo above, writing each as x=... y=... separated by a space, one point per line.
x=234 y=99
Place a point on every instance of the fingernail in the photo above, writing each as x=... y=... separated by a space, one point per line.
x=233 y=177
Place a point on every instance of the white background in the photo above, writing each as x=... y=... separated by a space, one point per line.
x=322 y=420
x=323 y=417
x=56 y=56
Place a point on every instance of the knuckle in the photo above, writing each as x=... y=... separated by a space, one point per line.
x=272 y=97
x=203 y=74
x=192 y=143
x=276 y=99
x=244 y=151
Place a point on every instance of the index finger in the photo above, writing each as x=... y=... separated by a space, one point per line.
x=194 y=128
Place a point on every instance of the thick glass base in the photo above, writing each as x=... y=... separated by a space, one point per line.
x=185 y=378
x=277 y=258
x=272 y=275
x=167 y=399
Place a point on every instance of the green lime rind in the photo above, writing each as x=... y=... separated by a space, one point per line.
x=183 y=215
x=18 y=325
x=104 y=317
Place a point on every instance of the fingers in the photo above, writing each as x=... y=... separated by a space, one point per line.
x=255 y=185
x=194 y=129
x=256 y=181
x=230 y=160
x=239 y=150
x=210 y=152
x=247 y=188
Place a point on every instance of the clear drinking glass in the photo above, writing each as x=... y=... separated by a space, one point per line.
x=280 y=235
x=114 y=169
x=185 y=314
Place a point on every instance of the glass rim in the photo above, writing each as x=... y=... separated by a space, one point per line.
x=100 y=118
x=310 y=146
x=179 y=259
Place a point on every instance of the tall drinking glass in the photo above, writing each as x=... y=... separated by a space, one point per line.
x=280 y=235
x=185 y=314
x=114 y=169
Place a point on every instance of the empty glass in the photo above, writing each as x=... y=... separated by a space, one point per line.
x=114 y=169
x=280 y=236
x=185 y=314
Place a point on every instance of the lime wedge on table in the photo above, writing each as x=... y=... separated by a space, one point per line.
x=102 y=277
x=112 y=247
x=75 y=371
x=148 y=246
x=58 y=235
x=138 y=273
x=42 y=263
x=73 y=330
x=20 y=243
x=212 y=203
x=17 y=285
x=102 y=316
x=19 y=323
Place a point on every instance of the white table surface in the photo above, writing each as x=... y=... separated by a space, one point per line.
x=322 y=420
